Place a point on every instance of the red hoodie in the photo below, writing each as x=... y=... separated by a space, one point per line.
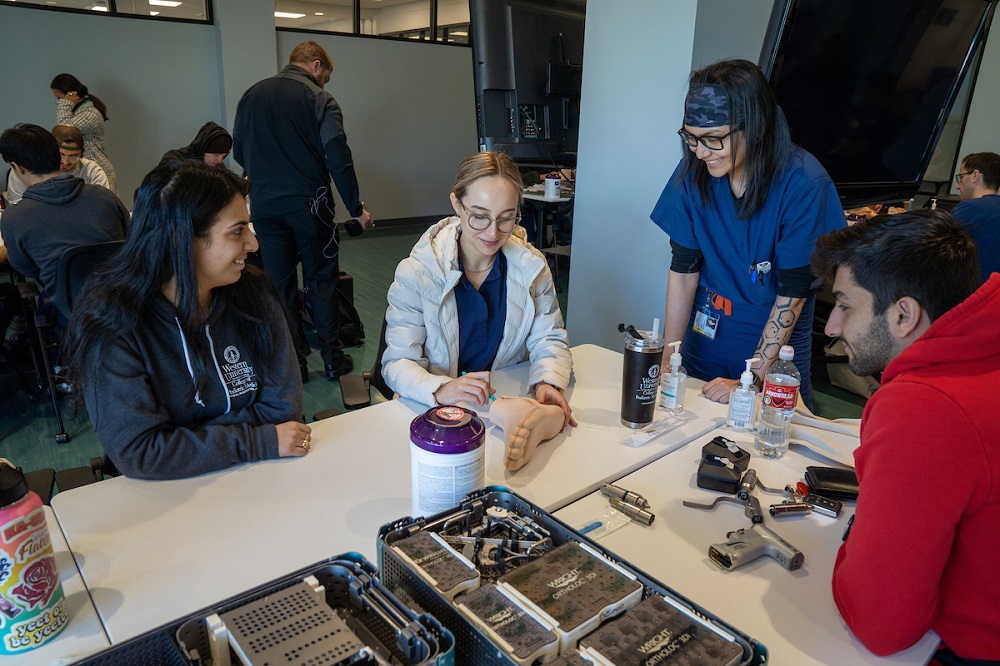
x=924 y=552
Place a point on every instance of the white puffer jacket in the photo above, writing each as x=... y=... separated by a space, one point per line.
x=422 y=319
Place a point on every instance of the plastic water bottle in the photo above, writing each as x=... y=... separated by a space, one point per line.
x=781 y=392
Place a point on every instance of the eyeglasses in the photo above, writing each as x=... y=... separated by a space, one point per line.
x=480 y=222
x=958 y=176
x=710 y=142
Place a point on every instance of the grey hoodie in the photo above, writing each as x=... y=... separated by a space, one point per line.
x=154 y=425
x=54 y=215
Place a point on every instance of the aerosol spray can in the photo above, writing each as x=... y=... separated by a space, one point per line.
x=640 y=374
x=447 y=458
x=32 y=605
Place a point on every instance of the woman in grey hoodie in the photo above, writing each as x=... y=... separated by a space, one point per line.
x=179 y=349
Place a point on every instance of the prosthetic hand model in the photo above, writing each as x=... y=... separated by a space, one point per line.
x=526 y=423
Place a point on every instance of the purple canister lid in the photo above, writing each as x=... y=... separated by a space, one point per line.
x=447 y=429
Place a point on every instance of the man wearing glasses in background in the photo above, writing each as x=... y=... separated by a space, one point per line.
x=979 y=210
x=71 y=161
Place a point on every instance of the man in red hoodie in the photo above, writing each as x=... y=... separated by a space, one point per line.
x=922 y=553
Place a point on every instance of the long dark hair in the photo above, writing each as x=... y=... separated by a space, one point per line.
x=65 y=83
x=176 y=207
x=753 y=110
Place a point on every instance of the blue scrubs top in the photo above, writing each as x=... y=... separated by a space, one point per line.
x=481 y=317
x=981 y=217
x=801 y=205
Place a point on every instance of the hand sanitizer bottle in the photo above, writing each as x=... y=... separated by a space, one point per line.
x=743 y=401
x=672 y=386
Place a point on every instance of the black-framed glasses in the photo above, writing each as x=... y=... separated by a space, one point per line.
x=958 y=176
x=710 y=142
x=479 y=222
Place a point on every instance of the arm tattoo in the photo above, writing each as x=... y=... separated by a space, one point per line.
x=777 y=330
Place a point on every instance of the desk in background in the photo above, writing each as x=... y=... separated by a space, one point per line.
x=152 y=551
x=791 y=612
x=538 y=201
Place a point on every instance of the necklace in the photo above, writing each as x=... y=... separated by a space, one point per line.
x=483 y=270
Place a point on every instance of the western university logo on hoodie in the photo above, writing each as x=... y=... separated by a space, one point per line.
x=238 y=375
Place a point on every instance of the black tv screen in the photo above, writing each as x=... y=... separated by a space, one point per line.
x=867 y=86
x=528 y=57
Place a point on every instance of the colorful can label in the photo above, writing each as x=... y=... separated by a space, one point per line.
x=32 y=605
x=780 y=396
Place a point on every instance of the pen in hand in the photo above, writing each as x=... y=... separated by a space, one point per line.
x=492 y=392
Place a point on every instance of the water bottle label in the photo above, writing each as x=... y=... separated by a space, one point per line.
x=780 y=397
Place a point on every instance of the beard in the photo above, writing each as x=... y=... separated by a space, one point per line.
x=873 y=350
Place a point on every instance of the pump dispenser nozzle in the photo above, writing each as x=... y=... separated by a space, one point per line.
x=675 y=357
x=746 y=379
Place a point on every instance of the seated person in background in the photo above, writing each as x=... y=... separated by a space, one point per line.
x=71 y=161
x=909 y=302
x=181 y=352
x=979 y=210
x=211 y=145
x=57 y=211
x=472 y=297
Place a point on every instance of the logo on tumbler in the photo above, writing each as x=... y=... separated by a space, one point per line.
x=654 y=372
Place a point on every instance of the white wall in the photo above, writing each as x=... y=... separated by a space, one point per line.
x=636 y=62
x=239 y=23
x=410 y=117
x=160 y=80
x=981 y=133
x=730 y=29
x=409 y=107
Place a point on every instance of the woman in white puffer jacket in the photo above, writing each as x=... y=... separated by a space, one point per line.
x=474 y=296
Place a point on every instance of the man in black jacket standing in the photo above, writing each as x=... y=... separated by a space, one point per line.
x=289 y=136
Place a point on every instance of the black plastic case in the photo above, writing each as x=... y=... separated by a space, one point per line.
x=383 y=623
x=472 y=646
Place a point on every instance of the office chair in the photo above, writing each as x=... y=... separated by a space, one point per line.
x=357 y=388
x=75 y=266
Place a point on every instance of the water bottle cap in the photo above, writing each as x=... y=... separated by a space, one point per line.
x=786 y=353
x=13 y=485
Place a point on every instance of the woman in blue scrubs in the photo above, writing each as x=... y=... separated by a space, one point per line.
x=743 y=210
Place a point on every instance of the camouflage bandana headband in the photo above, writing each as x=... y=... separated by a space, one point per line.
x=706 y=105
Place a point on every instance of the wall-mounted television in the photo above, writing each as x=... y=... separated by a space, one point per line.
x=528 y=65
x=867 y=86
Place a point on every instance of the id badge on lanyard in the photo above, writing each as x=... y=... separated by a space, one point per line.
x=706 y=322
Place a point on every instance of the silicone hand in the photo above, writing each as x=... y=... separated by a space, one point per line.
x=294 y=439
x=547 y=394
x=719 y=389
x=471 y=387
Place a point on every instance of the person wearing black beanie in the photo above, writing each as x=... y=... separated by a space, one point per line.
x=211 y=145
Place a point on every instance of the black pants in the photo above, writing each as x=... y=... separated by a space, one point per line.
x=283 y=241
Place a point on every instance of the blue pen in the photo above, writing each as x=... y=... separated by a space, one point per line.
x=492 y=396
x=591 y=527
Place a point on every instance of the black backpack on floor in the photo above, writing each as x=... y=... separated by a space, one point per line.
x=352 y=331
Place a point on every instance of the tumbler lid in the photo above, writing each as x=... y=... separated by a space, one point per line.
x=447 y=429
x=646 y=343
x=13 y=485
